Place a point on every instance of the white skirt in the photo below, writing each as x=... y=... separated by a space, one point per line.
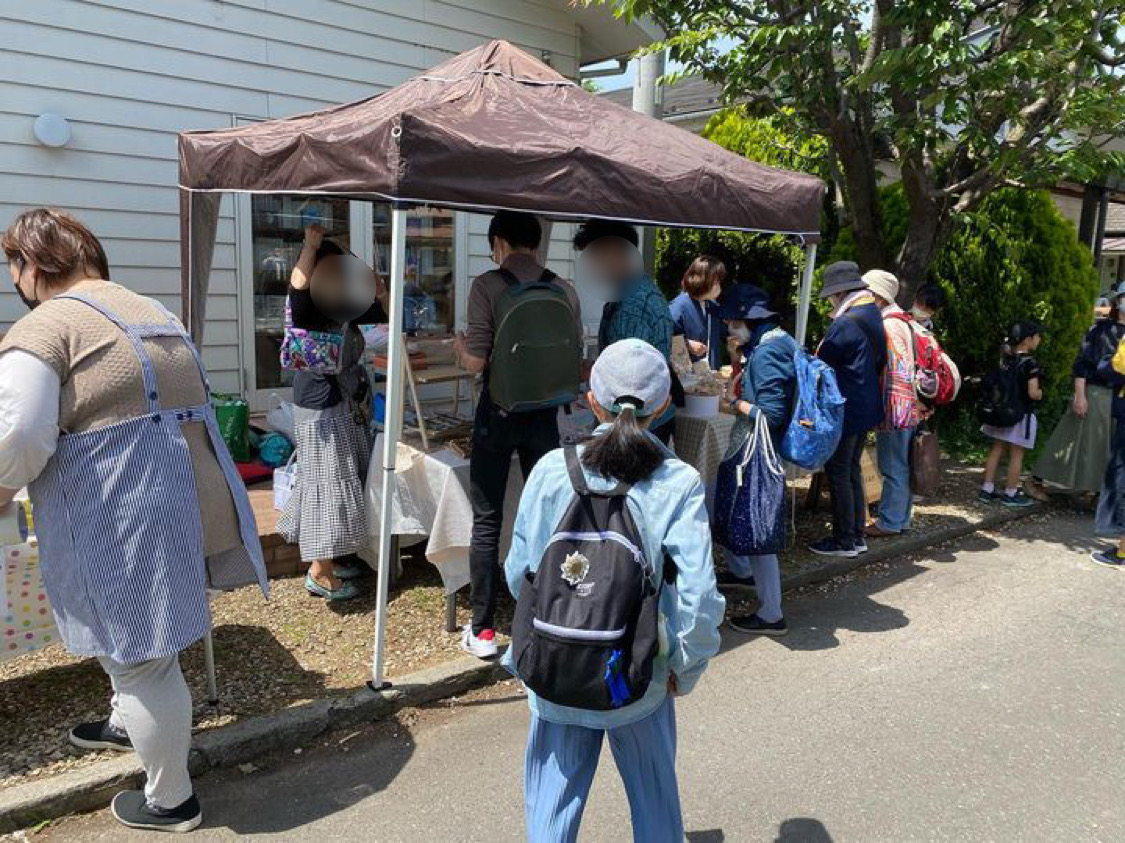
x=1022 y=434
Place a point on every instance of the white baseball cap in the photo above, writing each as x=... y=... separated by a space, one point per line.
x=631 y=373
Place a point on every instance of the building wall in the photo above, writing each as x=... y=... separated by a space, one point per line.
x=130 y=74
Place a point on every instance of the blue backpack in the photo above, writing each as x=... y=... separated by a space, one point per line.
x=818 y=414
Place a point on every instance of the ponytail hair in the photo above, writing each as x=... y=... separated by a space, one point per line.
x=625 y=452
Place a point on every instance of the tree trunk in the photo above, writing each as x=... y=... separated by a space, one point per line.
x=857 y=164
x=926 y=231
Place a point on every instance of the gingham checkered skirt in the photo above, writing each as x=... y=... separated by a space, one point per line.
x=326 y=514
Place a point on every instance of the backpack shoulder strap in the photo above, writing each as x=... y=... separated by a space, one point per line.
x=508 y=276
x=548 y=277
x=578 y=477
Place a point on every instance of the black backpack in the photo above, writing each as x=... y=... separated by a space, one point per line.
x=536 y=352
x=1004 y=395
x=585 y=631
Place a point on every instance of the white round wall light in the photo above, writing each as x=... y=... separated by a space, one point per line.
x=52 y=130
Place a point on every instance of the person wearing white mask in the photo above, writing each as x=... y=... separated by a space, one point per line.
x=765 y=382
x=928 y=302
x=611 y=262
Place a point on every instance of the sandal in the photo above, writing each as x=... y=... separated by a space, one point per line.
x=346 y=591
x=348 y=570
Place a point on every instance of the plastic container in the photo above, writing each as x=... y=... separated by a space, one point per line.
x=702 y=406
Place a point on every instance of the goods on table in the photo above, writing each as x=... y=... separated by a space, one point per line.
x=462 y=446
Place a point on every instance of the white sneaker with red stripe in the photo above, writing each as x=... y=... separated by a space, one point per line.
x=482 y=646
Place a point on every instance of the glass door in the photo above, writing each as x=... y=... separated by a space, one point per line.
x=274 y=229
x=429 y=308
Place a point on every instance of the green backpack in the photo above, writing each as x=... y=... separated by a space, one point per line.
x=536 y=352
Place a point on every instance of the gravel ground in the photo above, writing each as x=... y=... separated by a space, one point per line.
x=296 y=648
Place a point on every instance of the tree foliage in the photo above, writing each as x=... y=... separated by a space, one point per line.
x=962 y=97
x=1015 y=257
x=770 y=261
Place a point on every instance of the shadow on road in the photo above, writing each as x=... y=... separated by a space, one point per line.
x=294 y=795
x=802 y=830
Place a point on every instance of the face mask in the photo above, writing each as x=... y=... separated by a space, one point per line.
x=30 y=304
x=919 y=314
x=1121 y=305
x=740 y=333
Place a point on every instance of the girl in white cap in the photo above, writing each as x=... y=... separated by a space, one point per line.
x=629 y=387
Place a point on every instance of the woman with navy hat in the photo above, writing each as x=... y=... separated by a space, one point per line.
x=765 y=384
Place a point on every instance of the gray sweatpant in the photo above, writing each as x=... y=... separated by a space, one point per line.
x=152 y=703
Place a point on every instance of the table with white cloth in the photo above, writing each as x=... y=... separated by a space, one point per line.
x=702 y=441
x=433 y=505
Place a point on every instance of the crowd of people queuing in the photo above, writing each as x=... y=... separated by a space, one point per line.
x=103 y=397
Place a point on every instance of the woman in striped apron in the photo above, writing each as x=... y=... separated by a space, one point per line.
x=104 y=413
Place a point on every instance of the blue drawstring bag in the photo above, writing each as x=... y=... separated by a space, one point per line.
x=274 y=450
x=818 y=414
x=750 y=497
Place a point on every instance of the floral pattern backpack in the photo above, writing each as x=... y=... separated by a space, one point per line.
x=321 y=352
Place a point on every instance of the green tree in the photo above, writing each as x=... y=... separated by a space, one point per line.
x=770 y=261
x=1015 y=257
x=963 y=97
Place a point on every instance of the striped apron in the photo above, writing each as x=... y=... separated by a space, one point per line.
x=120 y=533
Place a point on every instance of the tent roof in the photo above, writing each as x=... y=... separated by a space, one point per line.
x=495 y=128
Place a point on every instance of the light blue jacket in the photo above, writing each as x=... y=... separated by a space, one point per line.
x=671 y=516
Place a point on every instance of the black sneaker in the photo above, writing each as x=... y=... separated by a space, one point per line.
x=754 y=625
x=831 y=547
x=987 y=497
x=132 y=809
x=100 y=735
x=727 y=579
x=860 y=544
x=1109 y=558
x=1019 y=500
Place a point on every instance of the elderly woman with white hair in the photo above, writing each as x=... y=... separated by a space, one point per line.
x=902 y=412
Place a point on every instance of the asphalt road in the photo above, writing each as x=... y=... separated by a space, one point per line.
x=974 y=693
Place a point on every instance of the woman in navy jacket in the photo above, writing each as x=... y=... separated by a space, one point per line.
x=856 y=349
x=694 y=311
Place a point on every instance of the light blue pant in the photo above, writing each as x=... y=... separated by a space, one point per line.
x=767 y=581
x=897 y=504
x=560 y=765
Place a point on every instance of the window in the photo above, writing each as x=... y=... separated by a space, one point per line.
x=272 y=229
x=429 y=306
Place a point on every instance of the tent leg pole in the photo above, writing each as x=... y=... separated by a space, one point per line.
x=805 y=300
x=209 y=664
x=392 y=430
x=451 y=612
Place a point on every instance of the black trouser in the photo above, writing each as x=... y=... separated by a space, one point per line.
x=845 y=483
x=496 y=436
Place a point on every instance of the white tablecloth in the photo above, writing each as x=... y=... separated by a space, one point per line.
x=432 y=505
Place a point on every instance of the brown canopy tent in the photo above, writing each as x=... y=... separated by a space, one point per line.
x=492 y=128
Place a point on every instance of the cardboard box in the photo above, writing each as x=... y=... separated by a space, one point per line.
x=872 y=479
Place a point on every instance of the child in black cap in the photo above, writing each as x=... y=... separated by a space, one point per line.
x=1007 y=412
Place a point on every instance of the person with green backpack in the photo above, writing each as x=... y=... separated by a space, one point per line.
x=525 y=336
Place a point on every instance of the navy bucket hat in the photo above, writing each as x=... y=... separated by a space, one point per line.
x=744 y=301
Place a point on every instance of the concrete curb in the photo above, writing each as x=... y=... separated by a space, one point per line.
x=93 y=787
x=886 y=549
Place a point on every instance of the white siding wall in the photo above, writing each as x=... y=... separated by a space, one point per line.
x=129 y=74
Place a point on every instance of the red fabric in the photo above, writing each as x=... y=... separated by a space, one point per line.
x=253 y=472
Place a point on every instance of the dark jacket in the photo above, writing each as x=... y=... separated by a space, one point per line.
x=1099 y=343
x=696 y=320
x=856 y=349
x=1111 y=377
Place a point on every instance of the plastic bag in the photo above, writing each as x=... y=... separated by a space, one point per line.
x=233 y=415
x=274 y=449
x=280 y=417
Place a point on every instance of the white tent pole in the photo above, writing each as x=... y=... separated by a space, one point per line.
x=392 y=429
x=805 y=300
